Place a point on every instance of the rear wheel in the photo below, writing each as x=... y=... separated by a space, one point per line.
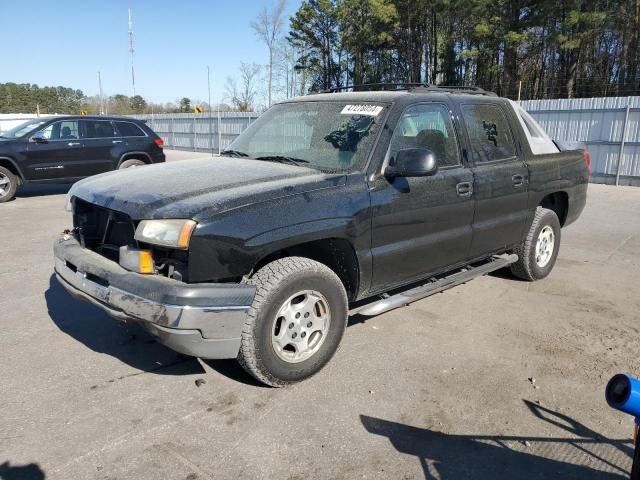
x=296 y=322
x=8 y=185
x=537 y=254
x=134 y=162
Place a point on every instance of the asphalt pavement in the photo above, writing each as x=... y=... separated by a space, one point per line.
x=497 y=378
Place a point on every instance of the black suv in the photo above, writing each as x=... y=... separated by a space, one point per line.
x=70 y=148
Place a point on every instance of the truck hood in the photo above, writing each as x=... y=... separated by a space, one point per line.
x=198 y=188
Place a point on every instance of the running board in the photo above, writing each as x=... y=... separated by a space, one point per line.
x=463 y=275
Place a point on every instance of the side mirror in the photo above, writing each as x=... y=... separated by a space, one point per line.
x=36 y=139
x=412 y=162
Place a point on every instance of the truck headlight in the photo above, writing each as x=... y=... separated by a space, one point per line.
x=166 y=233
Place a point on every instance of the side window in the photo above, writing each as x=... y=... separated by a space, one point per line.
x=489 y=132
x=128 y=129
x=65 y=130
x=98 y=129
x=427 y=126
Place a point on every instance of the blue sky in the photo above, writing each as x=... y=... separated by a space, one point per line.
x=66 y=42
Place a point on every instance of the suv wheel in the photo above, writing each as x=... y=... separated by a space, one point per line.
x=538 y=253
x=296 y=322
x=8 y=185
x=131 y=163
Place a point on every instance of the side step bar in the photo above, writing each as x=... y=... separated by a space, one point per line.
x=463 y=275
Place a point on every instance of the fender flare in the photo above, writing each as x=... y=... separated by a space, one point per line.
x=15 y=165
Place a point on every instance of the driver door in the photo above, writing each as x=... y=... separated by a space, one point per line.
x=59 y=154
x=421 y=225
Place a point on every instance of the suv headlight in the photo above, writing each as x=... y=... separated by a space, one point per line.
x=166 y=233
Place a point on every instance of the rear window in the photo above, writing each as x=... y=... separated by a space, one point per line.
x=128 y=129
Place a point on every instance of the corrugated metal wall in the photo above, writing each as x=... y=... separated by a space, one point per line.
x=198 y=132
x=600 y=123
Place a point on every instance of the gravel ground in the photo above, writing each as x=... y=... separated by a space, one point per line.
x=497 y=378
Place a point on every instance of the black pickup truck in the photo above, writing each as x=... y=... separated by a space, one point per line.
x=327 y=204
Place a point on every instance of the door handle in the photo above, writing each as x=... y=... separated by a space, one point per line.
x=464 y=189
x=73 y=144
x=116 y=141
x=518 y=180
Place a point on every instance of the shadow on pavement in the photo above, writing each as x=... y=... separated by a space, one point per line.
x=41 y=189
x=448 y=457
x=31 y=471
x=126 y=341
x=232 y=370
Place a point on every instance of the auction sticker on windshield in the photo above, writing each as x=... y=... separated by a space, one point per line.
x=371 y=110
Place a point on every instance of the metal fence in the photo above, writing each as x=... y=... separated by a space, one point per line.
x=610 y=127
x=199 y=131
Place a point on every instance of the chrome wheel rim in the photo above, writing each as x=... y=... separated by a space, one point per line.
x=544 y=246
x=301 y=326
x=5 y=185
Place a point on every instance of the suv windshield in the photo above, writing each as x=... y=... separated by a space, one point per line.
x=327 y=136
x=23 y=128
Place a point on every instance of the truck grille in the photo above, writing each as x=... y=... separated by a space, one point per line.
x=102 y=230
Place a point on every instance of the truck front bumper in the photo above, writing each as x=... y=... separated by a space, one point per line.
x=203 y=320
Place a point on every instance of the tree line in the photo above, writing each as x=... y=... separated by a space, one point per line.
x=532 y=48
x=30 y=98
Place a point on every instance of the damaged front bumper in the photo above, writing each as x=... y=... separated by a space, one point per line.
x=203 y=320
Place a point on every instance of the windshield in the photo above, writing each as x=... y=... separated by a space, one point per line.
x=23 y=128
x=327 y=136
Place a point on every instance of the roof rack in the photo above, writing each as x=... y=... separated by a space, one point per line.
x=369 y=87
x=411 y=87
x=472 y=90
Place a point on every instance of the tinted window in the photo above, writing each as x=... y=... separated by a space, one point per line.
x=128 y=129
x=427 y=126
x=98 y=129
x=489 y=132
x=65 y=130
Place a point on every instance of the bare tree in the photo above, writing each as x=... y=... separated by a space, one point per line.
x=243 y=97
x=268 y=27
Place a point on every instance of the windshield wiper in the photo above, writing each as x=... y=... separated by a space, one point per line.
x=234 y=153
x=283 y=159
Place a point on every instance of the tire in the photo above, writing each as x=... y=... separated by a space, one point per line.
x=131 y=163
x=272 y=347
x=537 y=254
x=8 y=185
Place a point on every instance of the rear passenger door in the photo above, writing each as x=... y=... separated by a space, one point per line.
x=500 y=178
x=100 y=145
x=133 y=137
x=421 y=224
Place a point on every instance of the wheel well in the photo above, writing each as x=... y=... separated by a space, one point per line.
x=11 y=167
x=559 y=203
x=336 y=253
x=134 y=156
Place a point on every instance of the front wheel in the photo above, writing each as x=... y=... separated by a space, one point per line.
x=537 y=254
x=296 y=322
